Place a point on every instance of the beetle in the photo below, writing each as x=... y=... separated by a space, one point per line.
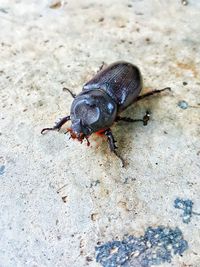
x=102 y=99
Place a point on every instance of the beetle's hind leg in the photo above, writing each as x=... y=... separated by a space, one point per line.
x=57 y=126
x=68 y=90
x=152 y=93
x=113 y=147
x=144 y=120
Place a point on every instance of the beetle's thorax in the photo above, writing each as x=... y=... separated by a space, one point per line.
x=92 y=111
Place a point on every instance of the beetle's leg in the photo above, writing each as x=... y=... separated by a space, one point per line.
x=144 y=120
x=68 y=90
x=88 y=142
x=152 y=93
x=58 y=125
x=127 y=119
x=113 y=147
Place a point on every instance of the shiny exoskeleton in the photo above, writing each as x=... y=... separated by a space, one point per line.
x=101 y=101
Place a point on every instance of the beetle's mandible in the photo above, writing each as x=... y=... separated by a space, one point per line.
x=101 y=101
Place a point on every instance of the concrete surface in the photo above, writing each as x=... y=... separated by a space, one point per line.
x=60 y=198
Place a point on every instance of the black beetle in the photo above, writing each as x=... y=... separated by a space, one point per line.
x=101 y=101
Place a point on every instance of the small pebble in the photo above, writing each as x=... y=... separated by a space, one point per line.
x=183 y=104
x=184 y=2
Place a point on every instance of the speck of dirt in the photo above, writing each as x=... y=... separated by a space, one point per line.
x=139 y=13
x=101 y=19
x=184 y=2
x=94 y=183
x=94 y=216
x=55 y=5
x=88 y=259
x=158 y=245
x=185 y=83
x=64 y=199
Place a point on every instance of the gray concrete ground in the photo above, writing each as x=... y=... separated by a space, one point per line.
x=60 y=198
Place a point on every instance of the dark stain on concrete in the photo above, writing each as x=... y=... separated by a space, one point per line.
x=2 y=169
x=186 y=206
x=158 y=245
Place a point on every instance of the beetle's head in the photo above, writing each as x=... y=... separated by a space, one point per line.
x=78 y=131
x=91 y=111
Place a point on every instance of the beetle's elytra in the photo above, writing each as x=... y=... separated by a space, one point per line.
x=101 y=101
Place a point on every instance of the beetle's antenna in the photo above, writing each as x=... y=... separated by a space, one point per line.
x=68 y=90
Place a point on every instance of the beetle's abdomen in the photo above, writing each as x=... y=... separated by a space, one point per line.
x=121 y=80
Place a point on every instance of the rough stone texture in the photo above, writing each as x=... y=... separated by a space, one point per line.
x=46 y=46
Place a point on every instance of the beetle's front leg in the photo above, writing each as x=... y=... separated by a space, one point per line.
x=113 y=147
x=58 y=125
